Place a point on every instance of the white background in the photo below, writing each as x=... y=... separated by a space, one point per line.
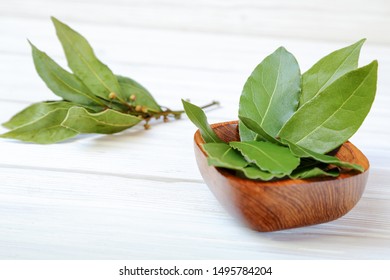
x=138 y=194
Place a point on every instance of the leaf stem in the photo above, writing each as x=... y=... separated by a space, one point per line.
x=169 y=111
x=147 y=114
x=123 y=102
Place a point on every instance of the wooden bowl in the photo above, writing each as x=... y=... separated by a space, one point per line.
x=287 y=203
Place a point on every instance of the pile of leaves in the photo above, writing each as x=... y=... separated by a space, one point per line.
x=94 y=99
x=288 y=122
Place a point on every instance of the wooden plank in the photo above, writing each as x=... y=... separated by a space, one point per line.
x=330 y=20
x=58 y=215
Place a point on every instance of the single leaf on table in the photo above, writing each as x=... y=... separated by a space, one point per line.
x=35 y=111
x=305 y=153
x=61 y=82
x=328 y=69
x=222 y=155
x=261 y=135
x=245 y=133
x=268 y=156
x=306 y=173
x=271 y=93
x=106 y=122
x=143 y=97
x=198 y=117
x=85 y=65
x=45 y=130
x=335 y=114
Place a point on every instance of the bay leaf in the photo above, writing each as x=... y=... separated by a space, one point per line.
x=222 y=155
x=85 y=65
x=44 y=130
x=35 y=112
x=328 y=69
x=335 y=114
x=143 y=96
x=305 y=153
x=261 y=135
x=255 y=173
x=245 y=133
x=61 y=82
x=106 y=122
x=271 y=93
x=310 y=172
x=268 y=156
x=198 y=117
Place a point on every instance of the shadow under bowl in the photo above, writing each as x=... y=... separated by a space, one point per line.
x=287 y=203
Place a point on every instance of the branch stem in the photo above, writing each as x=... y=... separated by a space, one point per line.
x=147 y=114
x=169 y=111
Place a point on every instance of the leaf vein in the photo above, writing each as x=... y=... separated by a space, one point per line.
x=273 y=92
x=337 y=69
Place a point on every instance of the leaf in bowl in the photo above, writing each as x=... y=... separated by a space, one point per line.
x=268 y=156
x=271 y=93
x=335 y=114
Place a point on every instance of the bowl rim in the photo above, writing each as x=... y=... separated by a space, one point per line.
x=286 y=181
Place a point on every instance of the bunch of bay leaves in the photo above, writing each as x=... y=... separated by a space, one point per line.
x=95 y=100
x=288 y=122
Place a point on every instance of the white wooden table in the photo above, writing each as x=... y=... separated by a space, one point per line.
x=138 y=194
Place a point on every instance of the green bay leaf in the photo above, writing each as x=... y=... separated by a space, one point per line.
x=143 y=96
x=198 y=117
x=335 y=114
x=106 y=122
x=61 y=82
x=255 y=173
x=245 y=133
x=44 y=130
x=271 y=93
x=222 y=155
x=306 y=173
x=328 y=69
x=305 y=153
x=261 y=135
x=34 y=112
x=268 y=156
x=85 y=65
